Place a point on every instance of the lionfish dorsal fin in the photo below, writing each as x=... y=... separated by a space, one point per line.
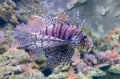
x=62 y=16
x=37 y=21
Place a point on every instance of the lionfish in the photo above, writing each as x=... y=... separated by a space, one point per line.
x=53 y=37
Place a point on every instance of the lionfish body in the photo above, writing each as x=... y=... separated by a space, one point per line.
x=43 y=33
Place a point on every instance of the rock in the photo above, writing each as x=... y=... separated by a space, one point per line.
x=109 y=76
x=14 y=57
x=83 y=76
x=65 y=67
x=60 y=75
x=25 y=10
x=60 y=72
x=56 y=70
x=115 y=68
x=7 y=14
x=73 y=3
x=96 y=72
x=10 y=3
x=5 y=70
x=102 y=10
x=41 y=62
x=36 y=75
x=61 y=68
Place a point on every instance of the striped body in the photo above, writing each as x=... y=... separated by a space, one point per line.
x=49 y=34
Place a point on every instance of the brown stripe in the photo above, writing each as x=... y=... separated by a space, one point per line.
x=53 y=30
x=72 y=32
x=46 y=30
x=65 y=32
x=60 y=31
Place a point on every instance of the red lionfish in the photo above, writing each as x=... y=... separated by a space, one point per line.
x=52 y=37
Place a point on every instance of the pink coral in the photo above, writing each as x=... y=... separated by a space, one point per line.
x=71 y=74
x=110 y=56
x=76 y=58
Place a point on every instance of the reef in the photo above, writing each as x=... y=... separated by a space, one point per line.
x=86 y=63
x=54 y=47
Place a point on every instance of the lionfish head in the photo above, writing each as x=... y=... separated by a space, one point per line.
x=86 y=41
x=82 y=40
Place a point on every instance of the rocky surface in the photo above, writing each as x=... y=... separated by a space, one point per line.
x=26 y=8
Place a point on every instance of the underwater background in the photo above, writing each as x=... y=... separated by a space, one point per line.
x=59 y=39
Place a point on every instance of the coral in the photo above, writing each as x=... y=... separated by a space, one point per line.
x=96 y=72
x=51 y=42
x=8 y=14
x=89 y=71
x=61 y=71
x=13 y=65
x=113 y=37
x=111 y=33
x=36 y=75
x=75 y=58
x=71 y=74
x=14 y=57
x=90 y=59
x=6 y=70
x=83 y=67
x=110 y=57
x=59 y=75
x=83 y=76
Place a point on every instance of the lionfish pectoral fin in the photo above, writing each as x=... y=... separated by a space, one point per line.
x=57 y=55
x=38 y=52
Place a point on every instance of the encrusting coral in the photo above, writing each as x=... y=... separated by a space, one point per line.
x=110 y=57
x=71 y=74
x=8 y=14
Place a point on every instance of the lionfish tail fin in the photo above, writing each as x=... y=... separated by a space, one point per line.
x=22 y=34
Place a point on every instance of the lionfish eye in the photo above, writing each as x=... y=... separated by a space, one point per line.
x=85 y=36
